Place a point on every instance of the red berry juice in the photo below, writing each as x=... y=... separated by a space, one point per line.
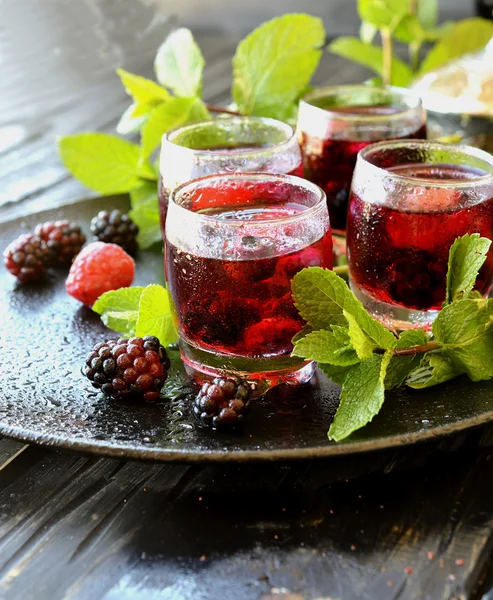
x=330 y=162
x=243 y=306
x=401 y=256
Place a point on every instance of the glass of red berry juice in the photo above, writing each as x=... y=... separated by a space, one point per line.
x=336 y=122
x=233 y=244
x=409 y=201
x=225 y=145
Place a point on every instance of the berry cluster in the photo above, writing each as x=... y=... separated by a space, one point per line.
x=53 y=242
x=223 y=403
x=128 y=368
x=114 y=227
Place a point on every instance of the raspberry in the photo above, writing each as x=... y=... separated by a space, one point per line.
x=97 y=269
x=116 y=228
x=224 y=403
x=64 y=238
x=26 y=257
x=128 y=368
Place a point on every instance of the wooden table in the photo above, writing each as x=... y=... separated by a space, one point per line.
x=420 y=526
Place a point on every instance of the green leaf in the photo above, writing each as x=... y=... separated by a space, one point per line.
x=145 y=214
x=179 y=64
x=325 y=347
x=174 y=113
x=129 y=123
x=371 y=57
x=105 y=163
x=362 y=396
x=465 y=332
x=382 y=13
x=155 y=315
x=466 y=257
x=322 y=297
x=433 y=370
x=361 y=343
x=142 y=90
x=410 y=30
x=466 y=36
x=274 y=64
x=400 y=366
x=367 y=32
x=335 y=373
x=119 y=309
x=428 y=13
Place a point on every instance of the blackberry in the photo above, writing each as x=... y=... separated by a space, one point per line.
x=128 y=368
x=63 y=238
x=27 y=257
x=224 y=403
x=115 y=228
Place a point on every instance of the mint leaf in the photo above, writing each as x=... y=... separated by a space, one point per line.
x=433 y=370
x=129 y=123
x=274 y=64
x=362 y=396
x=367 y=32
x=324 y=347
x=119 y=309
x=466 y=36
x=142 y=90
x=105 y=163
x=466 y=257
x=174 y=113
x=400 y=366
x=382 y=13
x=322 y=297
x=155 y=316
x=465 y=332
x=410 y=30
x=428 y=13
x=145 y=214
x=371 y=57
x=362 y=344
x=335 y=373
x=179 y=64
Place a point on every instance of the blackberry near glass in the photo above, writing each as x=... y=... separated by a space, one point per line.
x=225 y=145
x=233 y=244
x=409 y=201
x=336 y=122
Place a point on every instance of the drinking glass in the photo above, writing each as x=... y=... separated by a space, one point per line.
x=226 y=145
x=409 y=201
x=336 y=122
x=233 y=244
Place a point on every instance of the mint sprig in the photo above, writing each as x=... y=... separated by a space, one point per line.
x=139 y=311
x=357 y=352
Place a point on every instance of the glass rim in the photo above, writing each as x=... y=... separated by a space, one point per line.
x=359 y=118
x=464 y=149
x=320 y=203
x=238 y=152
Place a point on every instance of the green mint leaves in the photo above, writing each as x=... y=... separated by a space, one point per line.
x=138 y=311
x=274 y=64
x=105 y=163
x=361 y=355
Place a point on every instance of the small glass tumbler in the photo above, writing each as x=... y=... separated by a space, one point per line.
x=335 y=123
x=234 y=242
x=225 y=145
x=409 y=201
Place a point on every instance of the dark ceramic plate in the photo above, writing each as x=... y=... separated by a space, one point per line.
x=45 y=335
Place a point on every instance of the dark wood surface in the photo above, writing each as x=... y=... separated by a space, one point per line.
x=418 y=526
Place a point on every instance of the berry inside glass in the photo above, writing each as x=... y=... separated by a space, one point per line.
x=409 y=202
x=229 y=145
x=335 y=123
x=233 y=244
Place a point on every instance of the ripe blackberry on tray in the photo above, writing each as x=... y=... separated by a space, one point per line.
x=27 y=257
x=128 y=368
x=63 y=238
x=224 y=403
x=115 y=227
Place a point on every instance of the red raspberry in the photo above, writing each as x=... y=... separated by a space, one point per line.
x=97 y=269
